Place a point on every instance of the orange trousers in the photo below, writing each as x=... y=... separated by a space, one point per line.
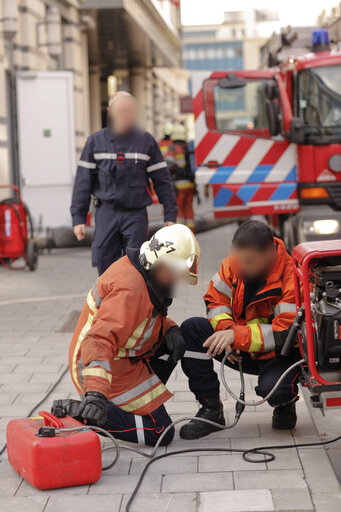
x=184 y=199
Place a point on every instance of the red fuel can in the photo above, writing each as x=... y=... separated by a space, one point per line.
x=69 y=458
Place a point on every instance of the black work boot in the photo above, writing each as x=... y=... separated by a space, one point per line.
x=211 y=409
x=284 y=416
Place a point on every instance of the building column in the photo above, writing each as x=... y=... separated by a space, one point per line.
x=95 y=99
x=141 y=88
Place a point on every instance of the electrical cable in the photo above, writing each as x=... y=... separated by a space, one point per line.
x=258 y=451
x=269 y=395
x=45 y=397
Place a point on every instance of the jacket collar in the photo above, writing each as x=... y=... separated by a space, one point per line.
x=161 y=304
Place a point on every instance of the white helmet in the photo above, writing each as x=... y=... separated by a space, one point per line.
x=178 y=132
x=177 y=246
x=167 y=128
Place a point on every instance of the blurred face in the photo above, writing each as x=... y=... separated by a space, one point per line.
x=254 y=264
x=166 y=277
x=122 y=114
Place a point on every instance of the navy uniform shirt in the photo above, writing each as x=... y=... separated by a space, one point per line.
x=118 y=169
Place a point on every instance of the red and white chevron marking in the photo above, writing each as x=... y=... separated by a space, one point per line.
x=244 y=154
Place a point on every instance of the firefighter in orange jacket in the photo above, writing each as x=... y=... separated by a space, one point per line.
x=183 y=177
x=124 y=347
x=250 y=309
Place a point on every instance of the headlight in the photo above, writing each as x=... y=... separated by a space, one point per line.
x=323 y=227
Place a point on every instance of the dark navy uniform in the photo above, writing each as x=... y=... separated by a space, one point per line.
x=117 y=170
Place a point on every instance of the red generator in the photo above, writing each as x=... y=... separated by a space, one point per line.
x=64 y=460
x=317 y=279
x=16 y=231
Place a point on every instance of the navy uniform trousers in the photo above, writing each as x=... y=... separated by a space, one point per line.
x=143 y=429
x=117 y=229
x=203 y=381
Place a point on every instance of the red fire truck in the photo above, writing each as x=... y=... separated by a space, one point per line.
x=269 y=142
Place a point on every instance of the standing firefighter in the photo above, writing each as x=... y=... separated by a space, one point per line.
x=125 y=347
x=116 y=166
x=183 y=177
x=166 y=146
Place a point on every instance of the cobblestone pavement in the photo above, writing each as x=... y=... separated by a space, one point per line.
x=36 y=306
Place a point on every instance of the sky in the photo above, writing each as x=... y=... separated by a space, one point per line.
x=291 y=12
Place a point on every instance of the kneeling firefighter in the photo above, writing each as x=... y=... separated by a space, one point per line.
x=250 y=308
x=124 y=347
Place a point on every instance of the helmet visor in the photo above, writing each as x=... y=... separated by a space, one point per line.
x=192 y=264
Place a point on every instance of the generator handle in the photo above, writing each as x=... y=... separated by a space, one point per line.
x=15 y=188
x=291 y=338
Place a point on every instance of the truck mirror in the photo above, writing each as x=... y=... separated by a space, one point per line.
x=296 y=130
x=271 y=90
x=272 y=113
x=232 y=81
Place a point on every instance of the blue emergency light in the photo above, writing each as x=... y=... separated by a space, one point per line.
x=320 y=37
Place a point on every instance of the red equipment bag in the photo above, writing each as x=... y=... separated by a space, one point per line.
x=68 y=459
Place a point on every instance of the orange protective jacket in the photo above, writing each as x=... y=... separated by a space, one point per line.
x=268 y=317
x=119 y=322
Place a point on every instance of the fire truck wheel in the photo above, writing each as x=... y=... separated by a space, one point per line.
x=32 y=254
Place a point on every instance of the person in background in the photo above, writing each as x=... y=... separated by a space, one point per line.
x=166 y=146
x=116 y=166
x=183 y=177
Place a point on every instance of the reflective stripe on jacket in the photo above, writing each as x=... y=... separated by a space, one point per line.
x=268 y=317
x=118 y=322
x=167 y=150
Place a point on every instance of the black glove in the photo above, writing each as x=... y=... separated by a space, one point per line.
x=94 y=408
x=175 y=343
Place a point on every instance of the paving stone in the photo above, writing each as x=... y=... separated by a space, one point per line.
x=7 y=398
x=205 y=442
x=16 y=504
x=292 y=499
x=327 y=502
x=9 y=378
x=121 y=467
x=84 y=503
x=167 y=465
x=228 y=462
x=285 y=459
x=26 y=489
x=319 y=471
x=184 y=408
x=235 y=501
x=162 y=502
x=125 y=484
x=197 y=482
x=9 y=485
x=24 y=387
x=270 y=479
x=35 y=368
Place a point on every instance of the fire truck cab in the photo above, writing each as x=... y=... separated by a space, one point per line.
x=268 y=142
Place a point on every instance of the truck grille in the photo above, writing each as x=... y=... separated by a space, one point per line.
x=334 y=190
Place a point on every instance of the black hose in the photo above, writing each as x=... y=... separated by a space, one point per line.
x=261 y=450
x=45 y=397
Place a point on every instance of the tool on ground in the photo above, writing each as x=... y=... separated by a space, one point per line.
x=317 y=271
x=16 y=231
